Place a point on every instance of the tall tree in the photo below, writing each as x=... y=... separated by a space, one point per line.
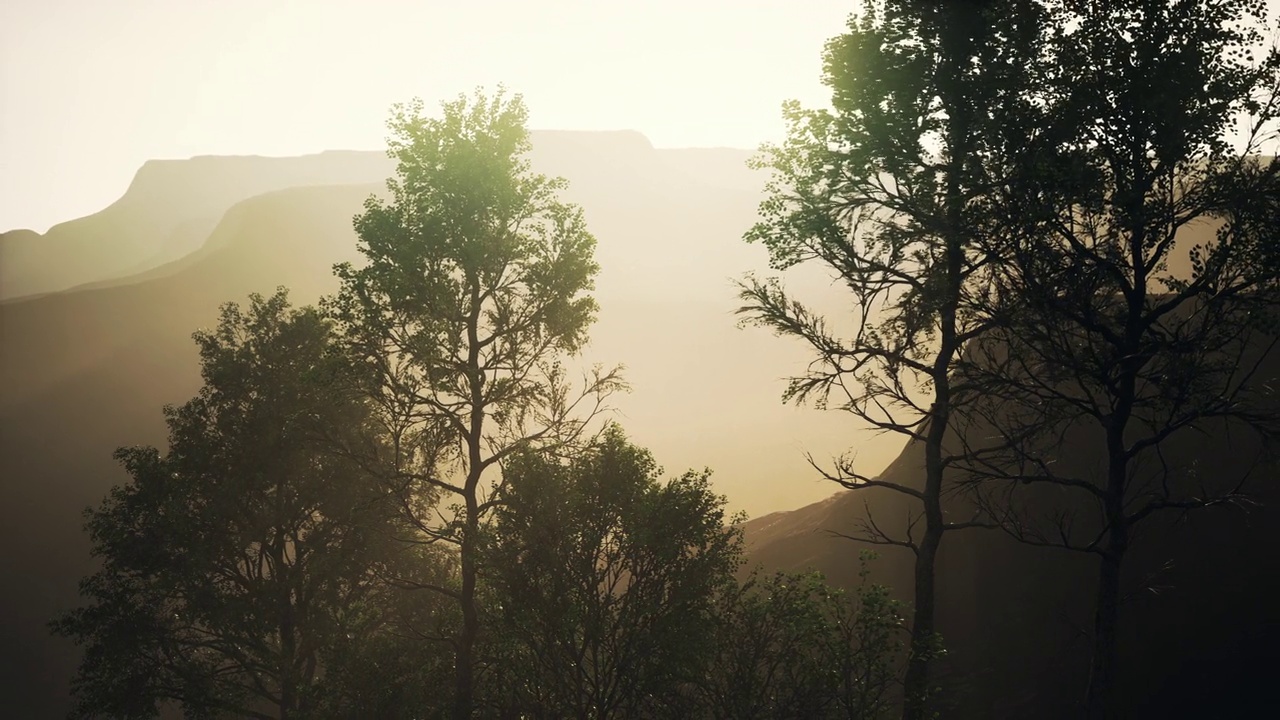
x=473 y=291
x=1116 y=325
x=890 y=189
x=234 y=565
x=604 y=581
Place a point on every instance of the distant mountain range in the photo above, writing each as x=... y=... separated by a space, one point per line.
x=95 y=337
x=167 y=212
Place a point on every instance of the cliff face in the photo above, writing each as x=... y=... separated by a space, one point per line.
x=1199 y=625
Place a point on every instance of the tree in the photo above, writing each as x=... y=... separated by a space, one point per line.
x=789 y=646
x=391 y=672
x=237 y=563
x=474 y=290
x=891 y=190
x=1116 y=326
x=604 y=581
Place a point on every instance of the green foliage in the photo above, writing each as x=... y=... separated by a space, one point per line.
x=602 y=582
x=476 y=279
x=474 y=289
x=790 y=646
x=236 y=562
x=890 y=189
x=612 y=594
x=398 y=672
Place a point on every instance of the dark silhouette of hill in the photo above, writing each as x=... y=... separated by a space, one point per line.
x=1198 y=631
x=87 y=370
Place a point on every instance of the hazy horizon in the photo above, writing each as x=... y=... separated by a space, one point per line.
x=1012 y=279
x=130 y=177
x=91 y=92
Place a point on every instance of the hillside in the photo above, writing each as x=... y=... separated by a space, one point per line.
x=88 y=370
x=1198 y=630
x=168 y=210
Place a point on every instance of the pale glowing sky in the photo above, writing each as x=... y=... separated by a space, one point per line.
x=90 y=89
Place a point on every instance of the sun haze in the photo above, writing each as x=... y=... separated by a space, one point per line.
x=89 y=91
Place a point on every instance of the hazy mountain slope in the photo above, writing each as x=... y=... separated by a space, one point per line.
x=1013 y=617
x=85 y=372
x=172 y=205
x=88 y=370
x=168 y=209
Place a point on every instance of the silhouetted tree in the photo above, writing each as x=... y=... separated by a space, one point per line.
x=238 y=563
x=1115 y=325
x=474 y=289
x=891 y=191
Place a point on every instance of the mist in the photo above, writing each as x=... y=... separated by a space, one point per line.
x=671 y=421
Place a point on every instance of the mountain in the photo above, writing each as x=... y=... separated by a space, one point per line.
x=167 y=211
x=87 y=370
x=1199 y=628
x=95 y=339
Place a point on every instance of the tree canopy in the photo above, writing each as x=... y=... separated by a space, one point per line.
x=237 y=562
x=1151 y=126
x=474 y=289
x=892 y=190
x=604 y=581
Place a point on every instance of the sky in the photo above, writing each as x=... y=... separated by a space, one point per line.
x=90 y=90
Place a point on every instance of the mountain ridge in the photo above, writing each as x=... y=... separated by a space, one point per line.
x=88 y=370
x=133 y=234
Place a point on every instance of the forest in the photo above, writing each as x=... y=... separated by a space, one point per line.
x=1053 y=228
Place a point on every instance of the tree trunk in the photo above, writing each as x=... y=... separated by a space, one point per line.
x=916 y=684
x=917 y=680
x=288 y=639
x=1099 y=702
x=464 y=658
x=1099 y=698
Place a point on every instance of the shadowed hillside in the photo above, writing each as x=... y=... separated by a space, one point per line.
x=1197 y=631
x=87 y=371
